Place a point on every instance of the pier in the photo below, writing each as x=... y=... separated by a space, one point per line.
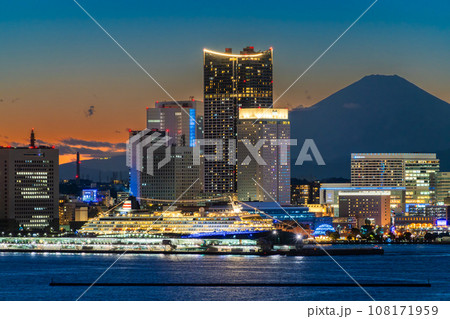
x=210 y=246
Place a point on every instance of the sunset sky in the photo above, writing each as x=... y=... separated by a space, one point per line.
x=62 y=75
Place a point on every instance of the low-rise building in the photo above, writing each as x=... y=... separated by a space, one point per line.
x=373 y=206
x=423 y=217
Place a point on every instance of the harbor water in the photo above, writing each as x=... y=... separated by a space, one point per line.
x=26 y=276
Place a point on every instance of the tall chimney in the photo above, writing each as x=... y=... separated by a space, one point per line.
x=32 y=139
x=78 y=166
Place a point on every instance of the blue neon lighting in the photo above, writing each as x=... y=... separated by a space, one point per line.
x=322 y=229
x=441 y=222
x=221 y=233
x=365 y=188
x=192 y=127
x=89 y=195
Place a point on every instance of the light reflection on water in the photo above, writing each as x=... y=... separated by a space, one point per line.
x=26 y=276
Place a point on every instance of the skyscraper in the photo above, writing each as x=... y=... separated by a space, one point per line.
x=231 y=81
x=443 y=188
x=29 y=187
x=180 y=124
x=415 y=171
x=177 y=128
x=274 y=174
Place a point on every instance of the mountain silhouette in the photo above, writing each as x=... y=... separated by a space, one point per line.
x=379 y=113
x=96 y=169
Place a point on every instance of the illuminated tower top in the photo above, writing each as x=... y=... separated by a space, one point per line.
x=246 y=77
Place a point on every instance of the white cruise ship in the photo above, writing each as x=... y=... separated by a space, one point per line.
x=125 y=221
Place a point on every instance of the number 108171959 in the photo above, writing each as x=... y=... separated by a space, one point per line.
x=403 y=310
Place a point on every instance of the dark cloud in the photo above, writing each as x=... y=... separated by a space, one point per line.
x=84 y=147
x=90 y=111
x=13 y=144
x=41 y=142
x=92 y=148
x=12 y=101
x=78 y=142
x=66 y=149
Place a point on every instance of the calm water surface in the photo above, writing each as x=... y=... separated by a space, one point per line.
x=26 y=276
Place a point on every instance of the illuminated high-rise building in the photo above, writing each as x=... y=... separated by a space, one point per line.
x=29 y=187
x=175 y=125
x=443 y=188
x=178 y=119
x=273 y=172
x=231 y=81
x=414 y=171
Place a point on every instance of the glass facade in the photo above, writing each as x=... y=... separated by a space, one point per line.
x=274 y=176
x=443 y=188
x=414 y=171
x=231 y=81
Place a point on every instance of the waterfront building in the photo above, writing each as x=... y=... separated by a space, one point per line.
x=29 y=187
x=303 y=194
x=330 y=192
x=414 y=171
x=435 y=211
x=320 y=210
x=371 y=205
x=81 y=214
x=231 y=81
x=274 y=175
x=176 y=179
x=314 y=193
x=72 y=210
x=299 y=194
x=329 y=195
x=443 y=188
x=345 y=224
x=174 y=123
x=424 y=217
x=66 y=213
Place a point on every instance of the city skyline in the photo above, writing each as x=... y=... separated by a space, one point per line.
x=226 y=151
x=91 y=82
